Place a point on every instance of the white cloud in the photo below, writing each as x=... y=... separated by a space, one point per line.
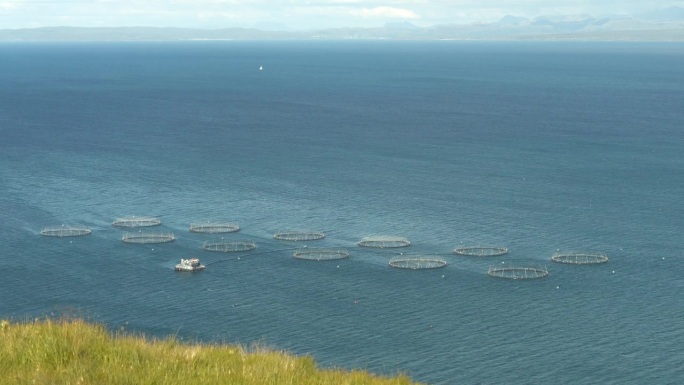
x=217 y=15
x=4 y=5
x=385 y=12
x=297 y=14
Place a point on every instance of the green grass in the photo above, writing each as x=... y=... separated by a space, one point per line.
x=72 y=351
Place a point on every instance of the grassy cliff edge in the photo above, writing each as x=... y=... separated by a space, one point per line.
x=73 y=351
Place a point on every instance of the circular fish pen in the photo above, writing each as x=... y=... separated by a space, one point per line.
x=214 y=227
x=481 y=251
x=298 y=236
x=136 y=222
x=382 y=241
x=228 y=247
x=146 y=238
x=511 y=272
x=321 y=254
x=65 y=231
x=580 y=258
x=417 y=263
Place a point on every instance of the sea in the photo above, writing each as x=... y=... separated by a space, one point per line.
x=539 y=147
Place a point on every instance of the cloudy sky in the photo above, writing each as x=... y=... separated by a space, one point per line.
x=297 y=14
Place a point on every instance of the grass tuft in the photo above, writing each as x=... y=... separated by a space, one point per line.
x=72 y=351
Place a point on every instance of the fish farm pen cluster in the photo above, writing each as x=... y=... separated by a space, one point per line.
x=214 y=227
x=136 y=222
x=383 y=241
x=229 y=247
x=298 y=236
x=512 y=272
x=481 y=251
x=321 y=254
x=580 y=258
x=148 y=237
x=65 y=231
x=415 y=262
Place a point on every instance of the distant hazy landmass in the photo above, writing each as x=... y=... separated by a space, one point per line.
x=663 y=25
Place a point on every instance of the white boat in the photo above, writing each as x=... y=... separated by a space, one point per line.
x=192 y=264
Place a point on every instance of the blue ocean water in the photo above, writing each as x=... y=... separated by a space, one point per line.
x=533 y=146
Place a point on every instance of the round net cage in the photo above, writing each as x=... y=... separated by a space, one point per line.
x=65 y=231
x=321 y=254
x=136 y=222
x=481 y=251
x=145 y=238
x=511 y=272
x=298 y=235
x=229 y=247
x=580 y=258
x=214 y=227
x=382 y=241
x=417 y=263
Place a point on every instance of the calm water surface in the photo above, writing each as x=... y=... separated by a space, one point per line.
x=533 y=146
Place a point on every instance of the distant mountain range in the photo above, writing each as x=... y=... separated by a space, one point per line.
x=661 y=25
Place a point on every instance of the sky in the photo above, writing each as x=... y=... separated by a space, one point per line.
x=298 y=14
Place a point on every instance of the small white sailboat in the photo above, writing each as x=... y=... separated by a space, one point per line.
x=261 y=68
